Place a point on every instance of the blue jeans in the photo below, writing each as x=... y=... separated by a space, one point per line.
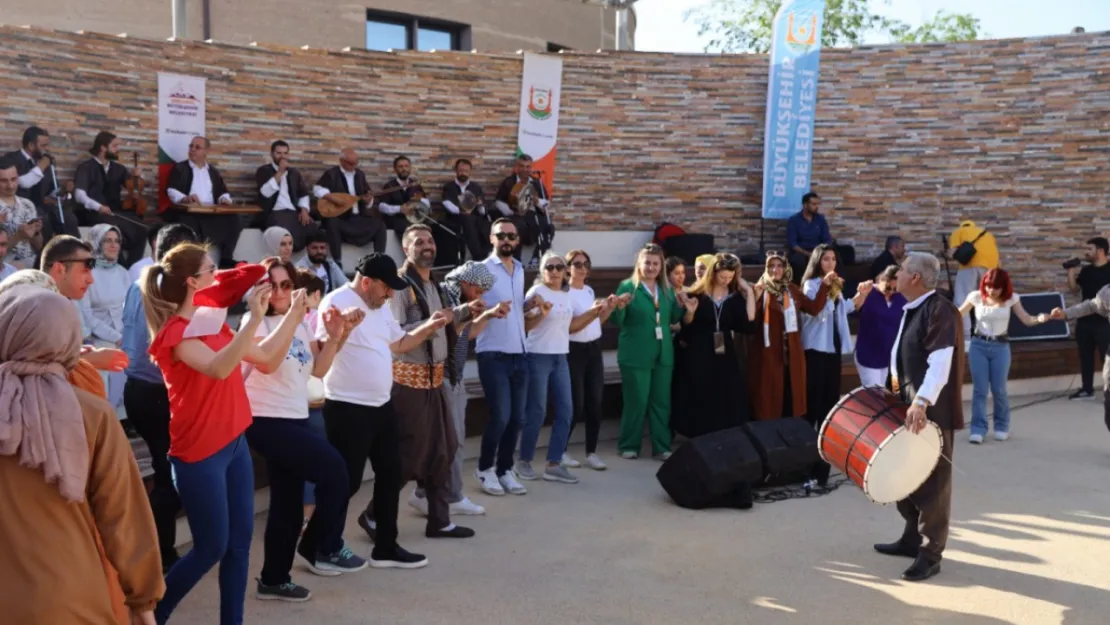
x=990 y=367
x=217 y=494
x=544 y=371
x=316 y=422
x=505 y=383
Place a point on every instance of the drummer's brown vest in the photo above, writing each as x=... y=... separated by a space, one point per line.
x=933 y=325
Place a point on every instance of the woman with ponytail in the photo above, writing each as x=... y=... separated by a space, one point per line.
x=200 y=359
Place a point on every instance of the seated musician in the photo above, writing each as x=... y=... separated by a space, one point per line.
x=474 y=226
x=38 y=183
x=196 y=181
x=284 y=196
x=533 y=224
x=407 y=189
x=99 y=187
x=358 y=226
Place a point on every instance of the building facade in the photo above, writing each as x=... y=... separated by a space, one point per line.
x=484 y=25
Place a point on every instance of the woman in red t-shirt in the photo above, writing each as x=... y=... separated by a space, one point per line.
x=209 y=412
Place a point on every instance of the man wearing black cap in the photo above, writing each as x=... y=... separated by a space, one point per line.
x=358 y=414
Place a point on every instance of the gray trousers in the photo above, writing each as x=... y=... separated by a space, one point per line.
x=967 y=281
x=457 y=395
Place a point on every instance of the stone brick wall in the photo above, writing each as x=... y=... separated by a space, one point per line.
x=501 y=26
x=1013 y=134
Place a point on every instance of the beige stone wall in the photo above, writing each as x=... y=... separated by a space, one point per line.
x=501 y=26
x=908 y=139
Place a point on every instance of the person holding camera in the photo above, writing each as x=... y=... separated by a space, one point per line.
x=1091 y=332
x=976 y=251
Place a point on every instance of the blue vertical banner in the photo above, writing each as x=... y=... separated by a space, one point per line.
x=791 y=106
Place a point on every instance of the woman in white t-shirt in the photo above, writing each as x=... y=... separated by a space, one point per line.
x=587 y=371
x=547 y=344
x=989 y=353
x=294 y=451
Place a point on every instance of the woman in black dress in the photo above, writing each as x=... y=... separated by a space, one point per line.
x=714 y=374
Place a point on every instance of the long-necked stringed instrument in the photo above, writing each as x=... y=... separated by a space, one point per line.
x=134 y=185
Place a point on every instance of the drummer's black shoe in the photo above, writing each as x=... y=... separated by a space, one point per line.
x=922 y=568
x=897 y=548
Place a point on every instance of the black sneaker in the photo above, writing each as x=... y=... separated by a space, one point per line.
x=342 y=561
x=371 y=531
x=455 y=532
x=1082 y=395
x=283 y=592
x=397 y=559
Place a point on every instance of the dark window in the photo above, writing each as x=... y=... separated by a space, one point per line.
x=554 y=47
x=386 y=30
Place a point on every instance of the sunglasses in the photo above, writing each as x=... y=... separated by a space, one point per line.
x=89 y=263
x=284 y=285
x=775 y=254
x=555 y=268
x=578 y=264
x=506 y=236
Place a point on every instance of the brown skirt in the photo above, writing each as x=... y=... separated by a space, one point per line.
x=428 y=438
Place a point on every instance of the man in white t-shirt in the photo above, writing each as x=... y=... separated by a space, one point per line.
x=358 y=413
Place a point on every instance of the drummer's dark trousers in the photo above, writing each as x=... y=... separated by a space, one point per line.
x=928 y=509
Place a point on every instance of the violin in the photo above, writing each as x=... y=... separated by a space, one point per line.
x=134 y=186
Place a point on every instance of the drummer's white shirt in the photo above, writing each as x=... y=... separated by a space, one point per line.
x=201 y=187
x=940 y=361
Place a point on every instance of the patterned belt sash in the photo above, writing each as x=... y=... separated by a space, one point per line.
x=418 y=376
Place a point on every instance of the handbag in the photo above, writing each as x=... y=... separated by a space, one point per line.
x=966 y=251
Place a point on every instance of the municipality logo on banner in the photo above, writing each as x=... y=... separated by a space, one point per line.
x=540 y=88
x=539 y=103
x=791 y=106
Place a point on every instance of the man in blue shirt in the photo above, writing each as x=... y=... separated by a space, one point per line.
x=804 y=232
x=147 y=402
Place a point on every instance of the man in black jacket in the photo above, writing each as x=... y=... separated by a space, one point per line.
x=38 y=183
x=473 y=228
x=406 y=187
x=357 y=226
x=196 y=181
x=98 y=187
x=534 y=225
x=283 y=195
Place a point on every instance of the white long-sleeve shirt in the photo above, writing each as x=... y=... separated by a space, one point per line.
x=33 y=176
x=284 y=201
x=201 y=187
x=393 y=209
x=939 y=361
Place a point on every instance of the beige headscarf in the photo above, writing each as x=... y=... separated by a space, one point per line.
x=32 y=277
x=40 y=418
x=272 y=237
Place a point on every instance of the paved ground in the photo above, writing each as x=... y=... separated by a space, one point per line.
x=1030 y=545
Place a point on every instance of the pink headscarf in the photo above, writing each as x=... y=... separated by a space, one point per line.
x=40 y=418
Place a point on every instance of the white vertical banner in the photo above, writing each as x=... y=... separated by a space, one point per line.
x=181 y=114
x=541 y=89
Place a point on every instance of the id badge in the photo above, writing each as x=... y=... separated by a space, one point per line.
x=790 y=319
x=658 y=333
x=719 y=343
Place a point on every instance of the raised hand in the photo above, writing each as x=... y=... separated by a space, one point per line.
x=1058 y=314
x=866 y=287
x=831 y=277
x=439 y=319
x=477 y=307
x=690 y=304
x=299 y=306
x=103 y=359
x=334 y=322
x=259 y=299
x=352 y=317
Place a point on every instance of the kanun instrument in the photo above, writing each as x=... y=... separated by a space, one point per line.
x=218 y=209
x=865 y=436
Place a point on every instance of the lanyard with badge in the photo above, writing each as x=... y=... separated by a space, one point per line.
x=718 y=336
x=658 y=321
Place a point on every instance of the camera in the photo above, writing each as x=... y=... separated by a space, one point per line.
x=1071 y=264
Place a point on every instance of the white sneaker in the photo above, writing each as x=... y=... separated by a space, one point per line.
x=570 y=462
x=467 y=508
x=420 y=503
x=629 y=455
x=489 y=482
x=595 y=463
x=976 y=439
x=1001 y=436
x=510 y=483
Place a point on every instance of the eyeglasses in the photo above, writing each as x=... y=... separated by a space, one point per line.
x=579 y=264
x=555 y=268
x=89 y=263
x=284 y=285
x=200 y=273
x=506 y=236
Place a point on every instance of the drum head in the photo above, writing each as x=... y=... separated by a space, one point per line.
x=902 y=464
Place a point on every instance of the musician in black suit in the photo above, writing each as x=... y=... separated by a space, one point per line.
x=38 y=183
x=472 y=228
x=357 y=226
x=406 y=186
x=98 y=187
x=284 y=196
x=196 y=181
x=535 y=227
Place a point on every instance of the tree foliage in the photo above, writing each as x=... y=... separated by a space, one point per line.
x=747 y=25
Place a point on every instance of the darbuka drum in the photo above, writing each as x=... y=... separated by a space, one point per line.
x=865 y=436
x=315 y=393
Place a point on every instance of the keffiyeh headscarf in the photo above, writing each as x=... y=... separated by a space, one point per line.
x=33 y=277
x=471 y=271
x=96 y=237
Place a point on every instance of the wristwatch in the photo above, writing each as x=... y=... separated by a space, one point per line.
x=920 y=402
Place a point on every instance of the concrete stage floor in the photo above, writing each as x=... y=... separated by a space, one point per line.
x=1030 y=544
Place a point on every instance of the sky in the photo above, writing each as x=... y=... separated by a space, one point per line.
x=661 y=26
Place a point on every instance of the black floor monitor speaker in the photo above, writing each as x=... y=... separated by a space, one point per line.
x=689 y=246
x=787 y=448
x=714 y=470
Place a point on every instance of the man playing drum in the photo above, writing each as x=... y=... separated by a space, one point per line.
x=926 y=371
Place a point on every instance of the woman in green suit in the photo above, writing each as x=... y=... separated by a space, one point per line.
x=645 y=352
